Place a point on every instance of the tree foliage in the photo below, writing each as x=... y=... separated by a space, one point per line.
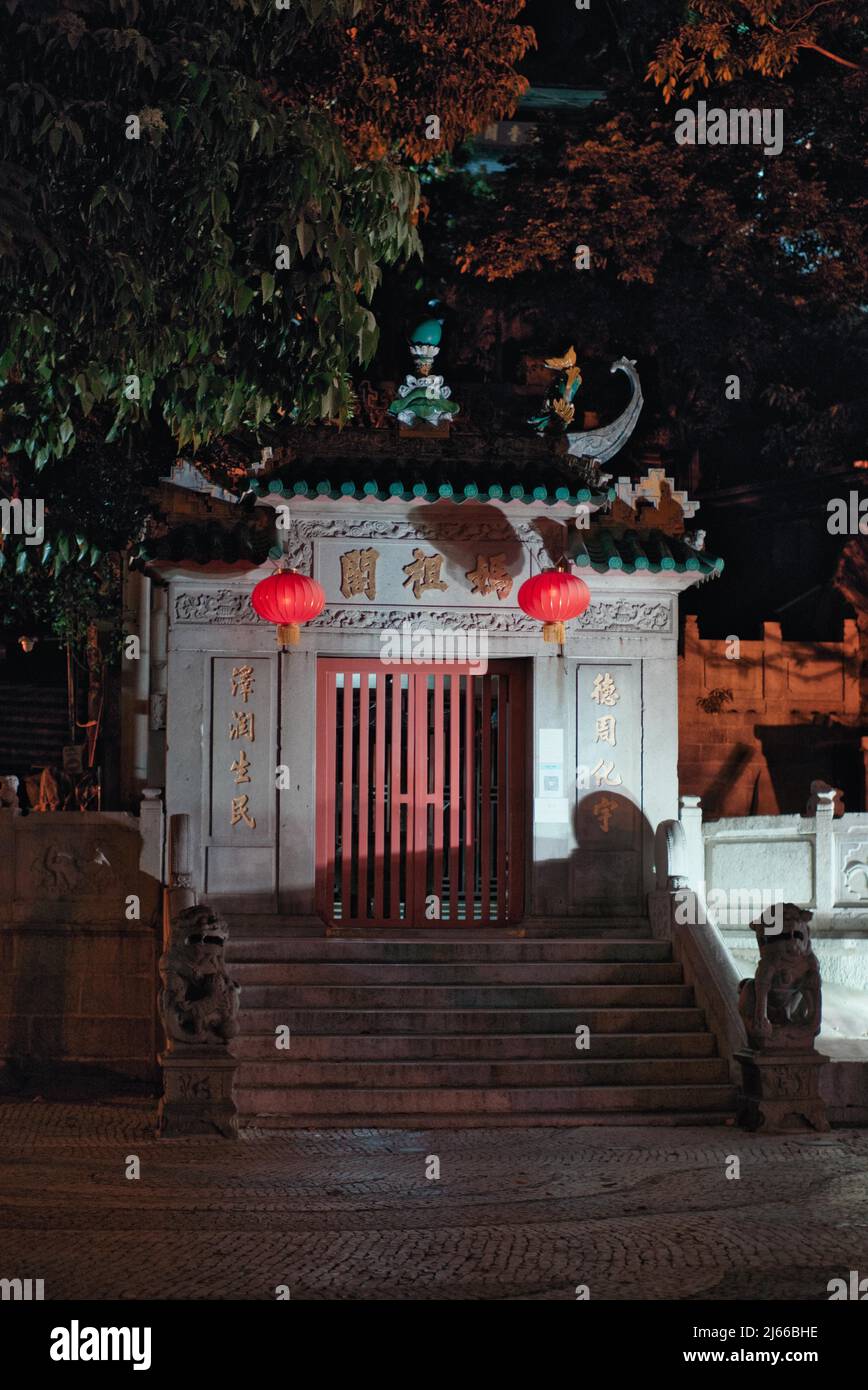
x=197 y=200
x=707 y=261
x=723 y=40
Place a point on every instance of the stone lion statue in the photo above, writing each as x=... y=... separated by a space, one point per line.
x=198 y=1001
x=781 y=1005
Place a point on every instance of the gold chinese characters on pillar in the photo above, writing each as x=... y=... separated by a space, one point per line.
x=241 y=730
x=605 y=693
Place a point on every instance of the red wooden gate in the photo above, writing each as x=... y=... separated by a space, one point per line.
x=420 y=794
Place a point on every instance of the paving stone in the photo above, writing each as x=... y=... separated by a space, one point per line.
x=349 y=1214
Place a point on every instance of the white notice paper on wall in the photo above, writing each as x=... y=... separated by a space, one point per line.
x=550 y=806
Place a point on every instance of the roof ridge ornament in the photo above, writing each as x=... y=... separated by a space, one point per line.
x=424 y=401
x=600 y=445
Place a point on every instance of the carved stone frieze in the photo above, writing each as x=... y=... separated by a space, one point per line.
x=215 y=606
x=855 y=871
x=607 y=615
x=69 y=871
x=632 y=615
x=493 y=620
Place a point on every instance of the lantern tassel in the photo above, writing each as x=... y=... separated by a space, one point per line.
x=288 y=634
x=555 y=632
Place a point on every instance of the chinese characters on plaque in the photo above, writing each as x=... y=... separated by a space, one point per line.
x=423 y=574
x=359 y=573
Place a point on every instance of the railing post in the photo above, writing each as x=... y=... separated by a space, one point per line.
x=824 y=887
x=691 y=821
x=180 y=892
x=151 y=830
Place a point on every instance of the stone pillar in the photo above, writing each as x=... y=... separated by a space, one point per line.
x=691 y=821
x=824 y=869
x=180 y=893
x=135 y=681
x=159 y=682
x=780 y=1092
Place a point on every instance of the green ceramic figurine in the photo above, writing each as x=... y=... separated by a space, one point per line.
x=424 y=399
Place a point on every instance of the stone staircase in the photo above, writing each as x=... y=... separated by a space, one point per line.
x=471 y=1029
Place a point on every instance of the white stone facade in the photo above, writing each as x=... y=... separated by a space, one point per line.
x=629 y=632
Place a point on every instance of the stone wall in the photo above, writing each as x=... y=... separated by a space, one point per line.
x=759 y=721
x=77 y=966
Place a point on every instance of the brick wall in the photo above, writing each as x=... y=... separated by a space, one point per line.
x=790 y=715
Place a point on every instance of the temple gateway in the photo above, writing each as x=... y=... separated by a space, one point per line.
x=423 y=755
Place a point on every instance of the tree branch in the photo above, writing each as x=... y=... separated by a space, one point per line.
x=845 y=62
x=807 y=15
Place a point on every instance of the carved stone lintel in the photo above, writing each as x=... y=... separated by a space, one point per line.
x=607 y=615
x=780 y=1091
x=197 y=1094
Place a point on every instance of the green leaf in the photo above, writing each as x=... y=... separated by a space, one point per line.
x=241 y=302
x=219 y=205
x=304 y=232
x=267 y=285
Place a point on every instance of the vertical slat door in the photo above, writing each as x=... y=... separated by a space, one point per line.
x=420 y=794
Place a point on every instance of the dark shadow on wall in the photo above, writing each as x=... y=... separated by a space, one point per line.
x=798 y=754
x=604 y=876
x=722 y=784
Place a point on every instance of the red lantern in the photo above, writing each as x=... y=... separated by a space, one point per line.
x=554 y=597
x=288 y=598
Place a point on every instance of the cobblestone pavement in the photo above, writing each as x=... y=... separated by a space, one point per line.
x=350 y=1214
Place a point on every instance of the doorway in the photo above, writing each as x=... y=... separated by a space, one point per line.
x=420 y=794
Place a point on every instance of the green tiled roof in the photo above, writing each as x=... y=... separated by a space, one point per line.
x=431 y=492
x=603 y=548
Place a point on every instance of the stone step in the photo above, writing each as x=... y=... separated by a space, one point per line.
x=470 y=1047
x=562 y=1022
x=272 y=926
x=526 y=974
x=453 y=950
x=577 y=1072
x=263 y=1101
x=529 y=1119
x=524 y=996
